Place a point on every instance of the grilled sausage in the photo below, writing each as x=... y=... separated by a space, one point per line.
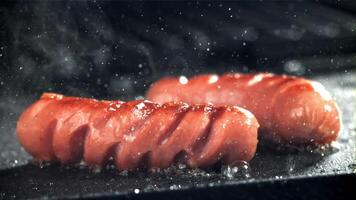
x=137 y=133
x=289 y=109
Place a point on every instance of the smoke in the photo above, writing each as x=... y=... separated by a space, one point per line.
x=68 y=46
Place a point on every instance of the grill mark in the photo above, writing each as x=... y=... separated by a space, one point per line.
x=181 y=157
x=138 y=124
x=77 y=137
x=71 y=115
x=37 y=111
x=223 y=159
x=49 y=137
x=100 y=123
x=288 y=83
x=313 y=118
x=172 y=127
x=277 y=94
x=199 y=145
x=144 y=162
x=116 y=150
x=44 y=108
x=77 y=142
x=145 y=159
x=109 y=155
x=321 y=123
x=109 y=158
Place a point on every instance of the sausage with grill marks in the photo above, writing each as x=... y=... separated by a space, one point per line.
x=289 y=109
x=136 y=134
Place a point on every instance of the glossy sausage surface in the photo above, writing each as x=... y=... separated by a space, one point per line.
x=136 y=134
x=289 y=109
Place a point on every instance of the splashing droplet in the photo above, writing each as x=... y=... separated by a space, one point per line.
x=239 y=169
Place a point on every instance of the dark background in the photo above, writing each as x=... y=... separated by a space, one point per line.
x=116 y=49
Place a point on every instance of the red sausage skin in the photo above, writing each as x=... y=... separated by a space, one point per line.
x=136 y=134
x=289 y=109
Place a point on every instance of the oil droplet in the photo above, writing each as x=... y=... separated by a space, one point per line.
x=208 y=109
x=319 y=88
x=183 y=80
x=124 y=173
x=256 y=79
x=174 y=187
x=239 y=169
x=327 y=108
x=96 y=170
x=140 y=105
x=129 y=138
x=213 y=79
x=182 y=166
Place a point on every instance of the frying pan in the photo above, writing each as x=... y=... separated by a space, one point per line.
x=274 y=173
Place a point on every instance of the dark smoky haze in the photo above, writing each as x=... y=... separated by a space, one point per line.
x=115 y=49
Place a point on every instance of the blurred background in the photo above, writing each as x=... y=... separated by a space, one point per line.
x=115 y=49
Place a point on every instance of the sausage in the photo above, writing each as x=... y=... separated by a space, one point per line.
x=289 y=109
x=136 y=134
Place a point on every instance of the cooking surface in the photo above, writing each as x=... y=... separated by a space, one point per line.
x=19 y=178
